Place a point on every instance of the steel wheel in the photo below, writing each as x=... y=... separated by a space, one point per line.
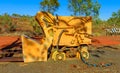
x=84 y=52
x=58 y=56
x=54 y=54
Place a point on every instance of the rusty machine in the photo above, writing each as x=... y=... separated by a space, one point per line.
x=64 y=37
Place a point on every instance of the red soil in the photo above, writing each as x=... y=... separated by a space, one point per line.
x=106 y=40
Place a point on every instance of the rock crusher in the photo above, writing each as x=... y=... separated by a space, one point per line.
x=65 y=37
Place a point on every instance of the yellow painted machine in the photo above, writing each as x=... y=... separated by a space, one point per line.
x=64 y=37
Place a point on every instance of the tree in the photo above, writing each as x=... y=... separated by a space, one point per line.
x=84 y=7
x=16 y=15
x=114 y=19
x=37 y=29
x=6 y=18
x=49 y=5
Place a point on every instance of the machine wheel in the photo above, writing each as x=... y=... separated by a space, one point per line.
x=58 y=56
x=84 y=52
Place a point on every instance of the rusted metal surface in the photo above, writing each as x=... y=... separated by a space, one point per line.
x=8 y=40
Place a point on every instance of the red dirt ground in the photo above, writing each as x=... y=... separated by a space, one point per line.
x=106 y=40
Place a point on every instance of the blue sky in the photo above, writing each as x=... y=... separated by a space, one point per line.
x=31 y=7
